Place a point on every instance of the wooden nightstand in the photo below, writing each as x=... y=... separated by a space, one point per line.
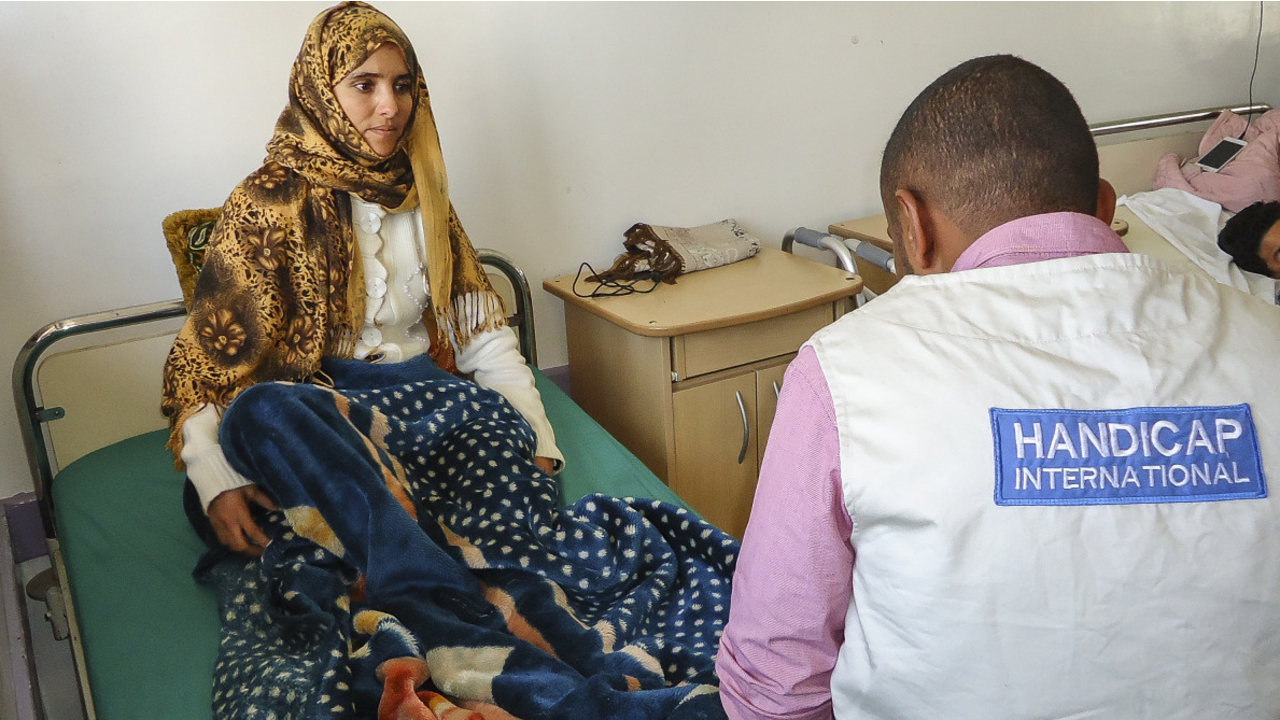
x=687 y=376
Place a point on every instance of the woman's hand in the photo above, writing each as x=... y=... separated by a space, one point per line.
x=229 y=515
x=546 y=464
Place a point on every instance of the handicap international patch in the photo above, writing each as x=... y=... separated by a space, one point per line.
x=1120 y=457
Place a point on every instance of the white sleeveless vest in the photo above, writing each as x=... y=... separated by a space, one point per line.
x=1056 y=474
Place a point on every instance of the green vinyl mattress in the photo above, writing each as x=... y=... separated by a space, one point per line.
x=150 y=633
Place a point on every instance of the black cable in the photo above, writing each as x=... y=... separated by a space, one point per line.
x=1257 y=49
x=615 y=288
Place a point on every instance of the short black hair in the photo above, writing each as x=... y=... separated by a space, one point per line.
x=994 y=139
x=1242 y=235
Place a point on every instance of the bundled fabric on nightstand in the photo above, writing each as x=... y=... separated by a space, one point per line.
x=655 y=252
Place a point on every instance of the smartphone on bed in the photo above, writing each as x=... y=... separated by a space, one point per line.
x=1221 y=154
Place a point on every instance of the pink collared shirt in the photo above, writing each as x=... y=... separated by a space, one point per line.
x=792 y=586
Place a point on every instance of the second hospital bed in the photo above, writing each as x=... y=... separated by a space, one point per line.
x=144 y=634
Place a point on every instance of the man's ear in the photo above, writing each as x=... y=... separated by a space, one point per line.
x=914 y=225
x=1106 y=202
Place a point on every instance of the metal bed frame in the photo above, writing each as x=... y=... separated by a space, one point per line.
x=34 y=419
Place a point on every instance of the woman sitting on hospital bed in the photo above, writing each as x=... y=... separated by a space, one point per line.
x=343 y=244
x=419 y=563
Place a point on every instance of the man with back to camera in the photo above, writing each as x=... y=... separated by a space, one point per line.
x=1030 y=481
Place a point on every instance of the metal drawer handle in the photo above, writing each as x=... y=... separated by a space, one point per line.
x=746 y=429
x=776 y=390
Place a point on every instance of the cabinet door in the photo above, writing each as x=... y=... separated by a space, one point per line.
x=768 y=385
x=717 y=449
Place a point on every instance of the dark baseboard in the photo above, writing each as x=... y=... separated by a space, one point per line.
x=26 y=531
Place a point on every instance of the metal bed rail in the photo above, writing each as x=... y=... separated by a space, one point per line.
x=1151 y=122
x=521 y=317
x=33 y=417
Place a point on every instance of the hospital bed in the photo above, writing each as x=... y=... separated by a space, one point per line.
x=1128 y=152
x=143 y=633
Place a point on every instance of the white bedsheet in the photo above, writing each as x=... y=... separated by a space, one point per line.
x=1191 y=225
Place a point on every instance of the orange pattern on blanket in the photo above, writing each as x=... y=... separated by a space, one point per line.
x=473 y=556
x=401 y=701
x=393 y=474
x=375 y=443
x=400 y=680
x=515 y=621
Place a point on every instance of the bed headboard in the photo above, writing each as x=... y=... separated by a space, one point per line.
x=89 y=381
x=1128 y=150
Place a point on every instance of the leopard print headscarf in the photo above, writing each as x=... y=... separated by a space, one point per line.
x=282 y=285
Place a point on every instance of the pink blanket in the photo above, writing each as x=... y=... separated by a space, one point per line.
x=1254 y=174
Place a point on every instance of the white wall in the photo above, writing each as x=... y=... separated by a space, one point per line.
x=562 y=124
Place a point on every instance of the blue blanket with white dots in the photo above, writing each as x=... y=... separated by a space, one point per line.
x=420 y=567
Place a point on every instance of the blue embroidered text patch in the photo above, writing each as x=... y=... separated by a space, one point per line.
x=1138 y=455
